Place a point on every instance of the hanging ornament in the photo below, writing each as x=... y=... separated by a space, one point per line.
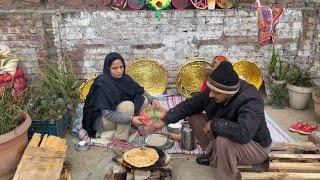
x=158 y=5
x=136 y=4
x=181 y=4
x=225 y=4
x=200 y=4
x=211 y=4
x=118 y=4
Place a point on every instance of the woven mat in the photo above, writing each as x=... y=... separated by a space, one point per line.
x=277 y=134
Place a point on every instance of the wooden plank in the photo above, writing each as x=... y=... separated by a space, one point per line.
x=35 y=140
x=44 y=140
x=44 y=162
x=279 y=175
x=289 y=166
x=295 y=166
x=295 y=156
x=304 y=146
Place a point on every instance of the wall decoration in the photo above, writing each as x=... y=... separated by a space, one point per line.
x=268 y=17
x=181 y=4
x=200 y=4
x=225 y=4
x=159 y=5
x=211 y=4
x=118 y=4
x=136 y=4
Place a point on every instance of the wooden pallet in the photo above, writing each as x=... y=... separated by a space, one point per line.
x=43 y=159
x=294 y=160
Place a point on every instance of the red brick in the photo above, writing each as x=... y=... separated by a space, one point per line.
x=5 y=3
x=296 y=5
x=74 y=2
x=285 y=1
x=29 y=3
x=97 y=3
x=263 y=1
x=106 y=2
x=247 y=1
x=33 y=1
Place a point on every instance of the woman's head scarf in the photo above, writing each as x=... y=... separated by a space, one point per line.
x=107 y=92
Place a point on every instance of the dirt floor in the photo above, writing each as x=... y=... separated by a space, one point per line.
x=95 y=163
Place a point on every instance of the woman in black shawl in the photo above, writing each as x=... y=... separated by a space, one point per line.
x=113 y=100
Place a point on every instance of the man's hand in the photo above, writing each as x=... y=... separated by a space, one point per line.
x=156 y=126
x=207 y=127
x=137 y=120
x=155 y=103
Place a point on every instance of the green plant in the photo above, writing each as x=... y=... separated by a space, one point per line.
x=273 y=61
x=11 y=110
x=277 y=95
x=277 y=92
x=300 y=77
x=60 y=80
x=276 y=68
x=45 y=106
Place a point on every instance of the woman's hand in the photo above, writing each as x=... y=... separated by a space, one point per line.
x=155 y=103
x=137 y=120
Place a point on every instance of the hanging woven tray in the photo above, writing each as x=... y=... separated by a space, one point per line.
x=190 y=77
x=249 y=72
x=85 y=88
x=149 y=74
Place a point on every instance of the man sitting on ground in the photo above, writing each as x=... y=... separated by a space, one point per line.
x=233 y=130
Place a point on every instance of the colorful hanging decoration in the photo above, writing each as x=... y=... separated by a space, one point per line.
x=159 y=5
x=200 y=4
x=136 y=4
x=181 y=4
x=268 y=17
x=118 y=4
x=211 y=4
x=225 y=4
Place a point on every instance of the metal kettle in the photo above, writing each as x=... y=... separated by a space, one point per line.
x=188 y=140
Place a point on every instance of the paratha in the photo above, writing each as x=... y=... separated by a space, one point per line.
x=141 y=157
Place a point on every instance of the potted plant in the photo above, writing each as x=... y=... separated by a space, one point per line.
x=52 y=101
x=276 y=73
x=14 y=124
x=299 y=84
x=277 y=96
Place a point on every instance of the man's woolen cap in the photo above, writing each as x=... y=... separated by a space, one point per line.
x=224 y=79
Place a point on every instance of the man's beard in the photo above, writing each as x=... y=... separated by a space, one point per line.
x=223 y=100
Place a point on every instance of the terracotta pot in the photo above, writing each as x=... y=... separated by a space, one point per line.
x=12 y=145
x=299 y=96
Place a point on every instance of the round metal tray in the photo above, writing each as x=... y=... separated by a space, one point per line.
x=249 y=72
x=149 y=74
x=190 y=77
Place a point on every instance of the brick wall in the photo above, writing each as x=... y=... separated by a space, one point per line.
x=178 y=37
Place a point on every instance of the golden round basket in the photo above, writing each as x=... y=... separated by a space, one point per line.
x=190 y=77
x=149 y=74
x=249 y=72
x=85 y=88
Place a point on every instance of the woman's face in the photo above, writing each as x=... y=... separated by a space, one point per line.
x=117 y=69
